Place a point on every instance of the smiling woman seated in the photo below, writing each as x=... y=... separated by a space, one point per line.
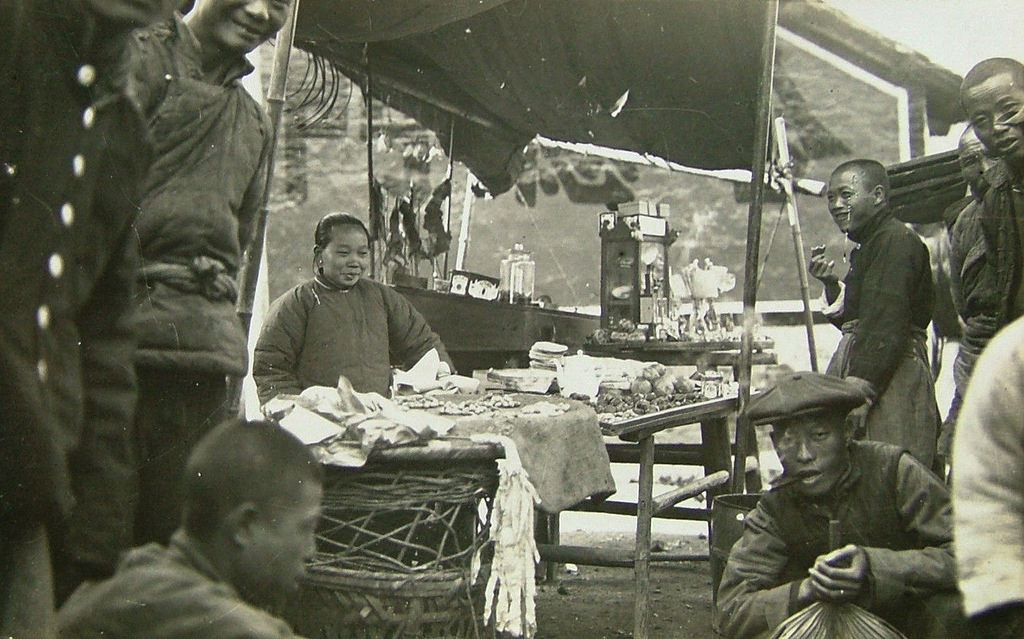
x=341 y=323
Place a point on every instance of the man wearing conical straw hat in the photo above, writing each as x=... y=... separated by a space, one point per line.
x=848 y=521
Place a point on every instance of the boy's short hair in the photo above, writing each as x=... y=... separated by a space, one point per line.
x=873 y=171
x=988 y=68
x=243 y=461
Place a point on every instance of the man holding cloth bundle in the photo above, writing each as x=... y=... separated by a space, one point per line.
x=847 y=522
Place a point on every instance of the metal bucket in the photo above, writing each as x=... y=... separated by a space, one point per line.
x=728 y=513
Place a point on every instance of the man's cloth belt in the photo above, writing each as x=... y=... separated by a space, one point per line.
x=201 y=275
x=916 y=333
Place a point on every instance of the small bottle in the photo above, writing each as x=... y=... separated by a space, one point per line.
x=505 y=275
x=527 y=271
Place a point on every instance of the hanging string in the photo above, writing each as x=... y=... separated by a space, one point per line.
x=315 y=99
x=368 y=100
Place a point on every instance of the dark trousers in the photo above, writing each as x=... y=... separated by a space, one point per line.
x=175 y=409
x=26 y=583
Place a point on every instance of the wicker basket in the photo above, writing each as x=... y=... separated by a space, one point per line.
x=395 y=547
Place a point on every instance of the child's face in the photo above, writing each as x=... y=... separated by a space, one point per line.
x=346 y=257
x=239 y=26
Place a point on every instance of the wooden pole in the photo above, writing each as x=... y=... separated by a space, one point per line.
x=467 y=214
x=757 y=172
x=690 y=489
x=250 y=268
x=554 y=554
x=782 y=145
x=249 y=271
x=642 y=552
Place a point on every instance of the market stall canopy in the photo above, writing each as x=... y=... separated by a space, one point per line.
x=673 y=78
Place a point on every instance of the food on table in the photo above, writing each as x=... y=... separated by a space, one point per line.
x=417 y=402
x=485 y=404
x=618 y=406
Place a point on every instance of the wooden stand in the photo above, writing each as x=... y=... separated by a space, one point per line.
x=714 y=453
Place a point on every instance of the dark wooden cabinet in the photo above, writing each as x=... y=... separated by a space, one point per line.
x=481 y=334
x=634 y=269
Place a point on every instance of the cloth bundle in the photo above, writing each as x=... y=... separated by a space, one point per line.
x=344 y=426
x=826 y=620
x=511 y=586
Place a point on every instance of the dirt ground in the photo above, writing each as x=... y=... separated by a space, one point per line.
x=597 y=602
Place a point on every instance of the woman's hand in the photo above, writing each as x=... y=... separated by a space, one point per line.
x=372 y=402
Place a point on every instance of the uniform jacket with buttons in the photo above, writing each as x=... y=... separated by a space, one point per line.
x=73 y=148
x=199 y=202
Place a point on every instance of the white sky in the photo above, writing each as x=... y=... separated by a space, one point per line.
x=953 y=33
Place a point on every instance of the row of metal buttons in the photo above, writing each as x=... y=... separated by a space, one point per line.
x=86 y=77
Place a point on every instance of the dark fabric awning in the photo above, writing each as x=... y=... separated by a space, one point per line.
x=500 y=73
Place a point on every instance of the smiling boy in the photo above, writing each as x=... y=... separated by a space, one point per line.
x=882 y=306
x=992 y=96
x=200 y=201
x=848 y=521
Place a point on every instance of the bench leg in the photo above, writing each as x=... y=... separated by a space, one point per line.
x=642 y=556
x=547 y=533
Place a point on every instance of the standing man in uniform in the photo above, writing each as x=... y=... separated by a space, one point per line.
x=198 y=208
x=882 y=306
x=73 y=149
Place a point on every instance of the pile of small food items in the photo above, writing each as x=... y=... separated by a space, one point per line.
x=418 y=402
x=655 y=389
x=485 y=404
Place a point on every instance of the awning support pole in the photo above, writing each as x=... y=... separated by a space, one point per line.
x=248 y=272
x=757 y=186
x=782 y=147
x=450 y=176
x=467 y=214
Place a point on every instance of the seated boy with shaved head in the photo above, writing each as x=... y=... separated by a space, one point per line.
x=252 y=502
x=848 y=521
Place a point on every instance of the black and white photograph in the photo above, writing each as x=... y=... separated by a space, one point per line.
x=519 y=319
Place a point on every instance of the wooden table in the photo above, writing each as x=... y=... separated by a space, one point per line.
x=714 y=453
x=692 y=353
x=716 y=448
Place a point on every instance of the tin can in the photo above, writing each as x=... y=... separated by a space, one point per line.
x=711 y=385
